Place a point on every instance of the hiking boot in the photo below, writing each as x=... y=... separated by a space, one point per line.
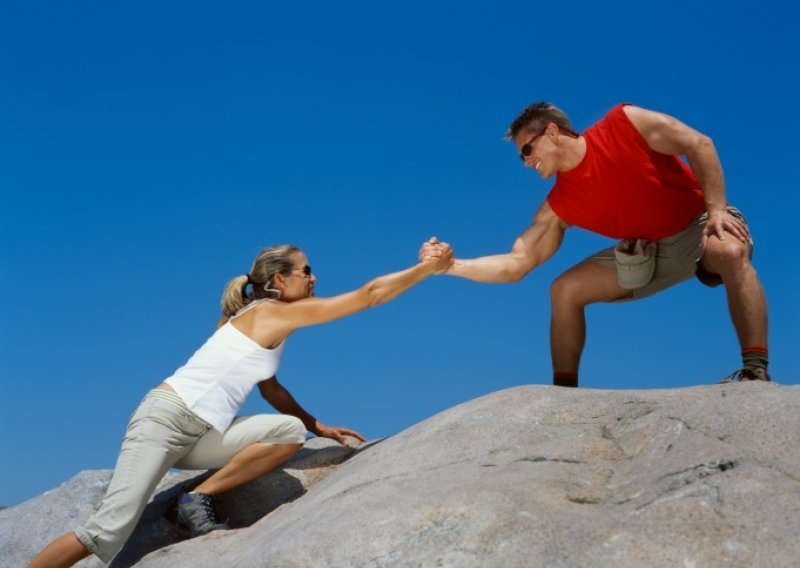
x=743 y=375
x=196 y=512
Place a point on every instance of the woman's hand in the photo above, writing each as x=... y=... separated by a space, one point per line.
x=337 y=433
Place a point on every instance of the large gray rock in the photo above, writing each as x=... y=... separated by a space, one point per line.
x=28 y=527
x=539 y=476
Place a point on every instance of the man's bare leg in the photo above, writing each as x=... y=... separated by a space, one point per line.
x=746 y=299
x=581 y=285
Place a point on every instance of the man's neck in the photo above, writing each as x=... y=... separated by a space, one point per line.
x=573 y=152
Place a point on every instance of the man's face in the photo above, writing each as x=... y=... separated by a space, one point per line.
x=535 y=149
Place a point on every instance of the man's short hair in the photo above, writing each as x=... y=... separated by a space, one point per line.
x=537 y=116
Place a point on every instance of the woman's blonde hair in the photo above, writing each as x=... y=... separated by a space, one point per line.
x=269 y=262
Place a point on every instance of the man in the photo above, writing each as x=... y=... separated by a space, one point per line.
x=623 y=178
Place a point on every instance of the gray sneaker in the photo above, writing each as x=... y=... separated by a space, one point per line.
x=196 y=512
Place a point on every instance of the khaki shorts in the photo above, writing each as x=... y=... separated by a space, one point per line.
x=677 y=259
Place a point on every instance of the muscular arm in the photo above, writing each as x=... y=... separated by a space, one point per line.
x=533 y=247
x=667 y=135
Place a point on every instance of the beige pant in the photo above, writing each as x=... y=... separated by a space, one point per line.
x=164 y=433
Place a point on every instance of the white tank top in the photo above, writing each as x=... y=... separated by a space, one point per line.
x=217 y=379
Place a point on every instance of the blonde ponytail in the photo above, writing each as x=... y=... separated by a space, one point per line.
x=269 y=262
x=233 y=298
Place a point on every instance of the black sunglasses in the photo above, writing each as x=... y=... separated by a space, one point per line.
x=306 y=270
x=527 y=148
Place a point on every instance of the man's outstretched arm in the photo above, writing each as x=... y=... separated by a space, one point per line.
x=533 y=247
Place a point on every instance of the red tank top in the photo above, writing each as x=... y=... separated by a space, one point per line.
x=623 y=189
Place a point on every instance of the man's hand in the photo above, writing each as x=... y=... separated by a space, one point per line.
x=720 y=222
x=437 y=252
x=337 y=433
x=429 y=249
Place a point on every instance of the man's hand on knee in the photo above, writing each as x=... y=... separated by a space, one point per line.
x=721 y=221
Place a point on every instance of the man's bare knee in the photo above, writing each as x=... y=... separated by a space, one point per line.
x=727 y=257
x=565 y=290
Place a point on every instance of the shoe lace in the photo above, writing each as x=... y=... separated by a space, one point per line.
x=748 y=375
x=207 y=504
x=737 y=375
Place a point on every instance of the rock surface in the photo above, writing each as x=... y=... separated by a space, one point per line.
x=530 y=476
x=26 y=528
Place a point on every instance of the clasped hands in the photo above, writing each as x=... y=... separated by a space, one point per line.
x=433 y=250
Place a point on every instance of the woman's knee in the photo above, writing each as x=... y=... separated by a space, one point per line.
x=298 y=429
x=291 y=449
x=291 y=432
x=269 y=429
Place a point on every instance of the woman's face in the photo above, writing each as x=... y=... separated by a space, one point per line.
x=298 y=284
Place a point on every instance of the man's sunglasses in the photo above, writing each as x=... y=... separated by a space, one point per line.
x=306 y=270
x=527 y=148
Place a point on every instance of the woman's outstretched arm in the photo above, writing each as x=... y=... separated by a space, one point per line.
x=313 y=311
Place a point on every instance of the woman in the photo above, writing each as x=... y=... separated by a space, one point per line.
x=188 y=421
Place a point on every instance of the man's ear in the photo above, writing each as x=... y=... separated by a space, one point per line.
x=278 y=281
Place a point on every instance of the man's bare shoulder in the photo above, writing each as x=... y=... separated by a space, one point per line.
x=663 y=133
x=646 y=121
x=631 y=110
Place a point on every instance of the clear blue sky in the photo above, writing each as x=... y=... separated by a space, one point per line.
x=148 y=150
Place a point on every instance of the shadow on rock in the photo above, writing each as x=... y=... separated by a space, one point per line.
x=241 y=507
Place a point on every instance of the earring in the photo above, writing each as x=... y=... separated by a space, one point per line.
x=274 y=291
